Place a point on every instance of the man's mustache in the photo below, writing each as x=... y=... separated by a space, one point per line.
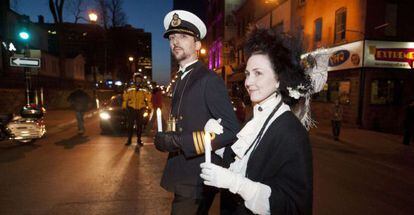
x=177 y=47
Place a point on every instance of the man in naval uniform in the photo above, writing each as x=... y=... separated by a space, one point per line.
x=199 y=94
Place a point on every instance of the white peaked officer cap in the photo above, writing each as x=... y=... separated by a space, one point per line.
x=181 y=21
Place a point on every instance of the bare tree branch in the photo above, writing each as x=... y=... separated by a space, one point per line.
x=53 y=11
x=56 y=8
x=118 y=16
x=77 y=8
x=60 y=9
x=102 y=6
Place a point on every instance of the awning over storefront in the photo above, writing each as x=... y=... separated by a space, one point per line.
x=383 y=54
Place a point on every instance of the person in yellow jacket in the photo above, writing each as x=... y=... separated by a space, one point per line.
x=135 y=100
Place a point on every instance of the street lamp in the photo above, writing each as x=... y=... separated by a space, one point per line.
x=24 y=35
x=131 y=60
x=93 y=17
x=203 y=51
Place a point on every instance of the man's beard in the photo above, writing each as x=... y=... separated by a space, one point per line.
x=181 y=55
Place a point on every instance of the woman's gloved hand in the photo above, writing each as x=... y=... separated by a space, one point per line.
x=220 y=177
x=213 y=126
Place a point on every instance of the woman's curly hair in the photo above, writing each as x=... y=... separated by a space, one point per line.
x=284 y=55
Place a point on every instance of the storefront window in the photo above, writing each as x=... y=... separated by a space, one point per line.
x=339 y=90
x=385 y=92
x=322 y=96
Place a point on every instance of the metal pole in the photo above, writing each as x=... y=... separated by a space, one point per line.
x=41 y=96
x=27 y=76
x=36 y=98
x=361 y=88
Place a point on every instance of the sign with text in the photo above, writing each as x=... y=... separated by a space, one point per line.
x=347 y=56
x=389 y=54
x=25 y=62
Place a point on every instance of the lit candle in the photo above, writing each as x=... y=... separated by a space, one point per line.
x=159 y=121
x=207 y=147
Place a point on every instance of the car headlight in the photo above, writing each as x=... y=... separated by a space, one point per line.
x=104 y=115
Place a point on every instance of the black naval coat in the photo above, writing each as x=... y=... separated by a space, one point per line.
x=199 y=96
x=283 y=161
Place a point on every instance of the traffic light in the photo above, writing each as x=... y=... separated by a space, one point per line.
x=24 y=35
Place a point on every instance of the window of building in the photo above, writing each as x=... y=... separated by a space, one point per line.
x=391 y=19
x=340 y=25
x=385 y=91
x=318 y=30
x=322 y=96
x=278 y=27
x=339 y=90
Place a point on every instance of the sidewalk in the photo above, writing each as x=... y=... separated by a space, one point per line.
x=383 y=149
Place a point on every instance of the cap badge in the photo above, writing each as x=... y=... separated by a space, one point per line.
x=176 y=21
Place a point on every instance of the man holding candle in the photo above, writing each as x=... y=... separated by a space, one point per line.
x=198 y=95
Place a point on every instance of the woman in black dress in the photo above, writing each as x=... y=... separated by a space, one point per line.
x=270 y=165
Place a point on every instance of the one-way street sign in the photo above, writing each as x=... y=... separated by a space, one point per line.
x=25 y=62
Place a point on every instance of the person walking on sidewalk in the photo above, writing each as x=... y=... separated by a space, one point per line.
x=79 y=101
x=198 y=95
x=336 y=119
x=409 y=124
x=135 y=100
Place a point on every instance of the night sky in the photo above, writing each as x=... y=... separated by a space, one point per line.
x=146 y=14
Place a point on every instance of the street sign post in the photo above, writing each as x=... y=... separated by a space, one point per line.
x=25 y=62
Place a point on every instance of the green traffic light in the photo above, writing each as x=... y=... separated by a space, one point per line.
x=24 y=35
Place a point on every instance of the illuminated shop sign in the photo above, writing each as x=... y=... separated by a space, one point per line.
x=389 y=54
x=339 y=57
x=346 y=56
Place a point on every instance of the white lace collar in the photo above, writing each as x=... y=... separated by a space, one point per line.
x=252 y=128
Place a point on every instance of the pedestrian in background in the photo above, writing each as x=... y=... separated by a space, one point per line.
x=409 y=124
x=336 y=119
x=135 y=100
x=79 y=101
x=198 y=95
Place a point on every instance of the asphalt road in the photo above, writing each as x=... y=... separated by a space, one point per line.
x=96 y=174
x=93 y=174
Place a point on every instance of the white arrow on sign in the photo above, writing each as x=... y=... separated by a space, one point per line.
x=25 y=62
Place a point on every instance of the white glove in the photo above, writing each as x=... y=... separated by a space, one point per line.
x=216 y=176
x=213 y=126
x=220 y=177
x=256 y=195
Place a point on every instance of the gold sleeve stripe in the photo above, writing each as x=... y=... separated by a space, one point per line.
x=196 y=143
x=200 y=142
x=213 y=136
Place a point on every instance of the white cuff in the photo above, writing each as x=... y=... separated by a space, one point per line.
x=256 y=195
x=220 y=152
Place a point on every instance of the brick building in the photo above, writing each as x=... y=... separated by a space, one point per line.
x=370 y=69
x=371 y=47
